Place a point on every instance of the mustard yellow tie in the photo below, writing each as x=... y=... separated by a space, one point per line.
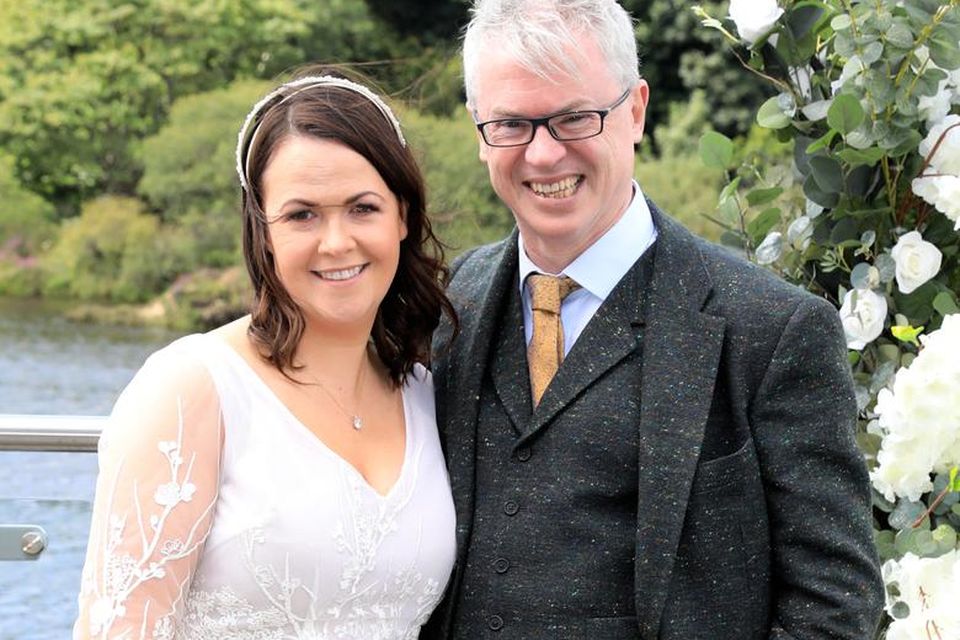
x=545 y=352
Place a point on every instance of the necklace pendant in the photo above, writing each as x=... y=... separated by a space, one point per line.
x=357 y=423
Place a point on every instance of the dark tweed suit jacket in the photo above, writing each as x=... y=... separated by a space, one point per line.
x=746 y=403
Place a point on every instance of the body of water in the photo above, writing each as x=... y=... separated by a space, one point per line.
x=49 y=365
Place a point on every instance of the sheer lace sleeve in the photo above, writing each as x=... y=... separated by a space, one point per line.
x=159 y=461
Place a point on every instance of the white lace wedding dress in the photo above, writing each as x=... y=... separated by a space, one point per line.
x=220 y=516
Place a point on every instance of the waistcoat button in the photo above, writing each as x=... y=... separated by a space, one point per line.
x=500 y=565
x=495 y=623
x=523 y=454
x=510 y=508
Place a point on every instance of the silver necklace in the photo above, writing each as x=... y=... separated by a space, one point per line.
x=355 y=420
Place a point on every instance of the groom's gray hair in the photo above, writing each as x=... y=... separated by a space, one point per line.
x=537 y=34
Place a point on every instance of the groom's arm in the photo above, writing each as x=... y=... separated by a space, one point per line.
x=826 y=577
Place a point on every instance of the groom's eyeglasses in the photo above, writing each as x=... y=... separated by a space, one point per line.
x=567 y=126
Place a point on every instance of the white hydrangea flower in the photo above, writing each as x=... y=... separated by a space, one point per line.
x=919 y=418
x=754 y=18
x=917 y=261
x=947 y=157
x=928 y=586
x=862 y=313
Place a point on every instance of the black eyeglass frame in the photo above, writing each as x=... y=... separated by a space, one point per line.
x=536 y=123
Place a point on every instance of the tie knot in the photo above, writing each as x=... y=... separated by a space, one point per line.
x=547 y=292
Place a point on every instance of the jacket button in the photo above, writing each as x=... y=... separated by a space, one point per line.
x=500 y=565
x=510 y=508
x=523 y=454
x=495 y=623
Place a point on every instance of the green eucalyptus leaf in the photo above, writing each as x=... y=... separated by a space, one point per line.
x=945 y=303
x=729 y=210
x=716 y=150
x=763 y=196
x=944 y=52
x=758 y=227
x=917 y=306
x=845 y=114
x=871 y=53
x=945 y=538
x=729 y=190
x=899 y=34
x=844 y=44
x=855 y=157
x=732 y=239
x=900 y=610
x=828 y=173
x=889 y=353
x=822 y=142
x=841 y=22
x=801 y=158
x=906 y=513
x=813 y=192
x=846 y=230
x=771 y=116
x=816 y=111
x=802 y=19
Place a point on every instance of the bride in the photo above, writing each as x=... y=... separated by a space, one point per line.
x=281 y=476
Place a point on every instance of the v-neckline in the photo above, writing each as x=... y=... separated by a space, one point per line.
x=304 y=430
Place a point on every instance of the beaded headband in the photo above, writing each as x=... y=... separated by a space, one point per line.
x=301 y=84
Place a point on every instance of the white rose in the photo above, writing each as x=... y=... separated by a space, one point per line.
x=917 y=261
x=862 y=313
x=947 y=157
x=943 y=192
x=754 y=18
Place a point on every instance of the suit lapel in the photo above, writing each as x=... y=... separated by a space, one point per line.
x=509 y=363
x=682 y=347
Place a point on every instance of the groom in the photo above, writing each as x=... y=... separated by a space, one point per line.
x=659 y=443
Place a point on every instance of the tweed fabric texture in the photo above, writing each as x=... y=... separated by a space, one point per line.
x=753 y=502
x=545 y=352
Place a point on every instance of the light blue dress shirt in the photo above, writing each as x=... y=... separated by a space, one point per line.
x=597 y=270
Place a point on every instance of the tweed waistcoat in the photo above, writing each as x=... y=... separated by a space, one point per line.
x=555 y=516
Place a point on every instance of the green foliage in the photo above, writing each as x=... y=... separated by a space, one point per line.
x=463 y=206
x=26 y=219
x=82 y=80
x=678 y=58
x=189 y=171
x=112 y=251
x=683 y=187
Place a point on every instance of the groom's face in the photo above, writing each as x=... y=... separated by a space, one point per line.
x=564 y=195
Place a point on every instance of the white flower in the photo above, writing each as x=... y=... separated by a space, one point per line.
x=943 y=192
x=936 y=107
x=928 y=587
x=919 y=418
x=169 y=494
x=863 y=312
x=917 y=261
x=754 y=18
x=799 y=233
x=947 y=156
x=770 y=249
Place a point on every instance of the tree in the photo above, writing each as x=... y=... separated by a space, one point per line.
x=82 y=80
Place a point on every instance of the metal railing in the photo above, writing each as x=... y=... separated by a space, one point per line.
x=41 y=433
x=50 y=433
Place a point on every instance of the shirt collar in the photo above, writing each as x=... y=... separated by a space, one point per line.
x=601 y=266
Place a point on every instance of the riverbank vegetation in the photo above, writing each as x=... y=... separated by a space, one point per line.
x=118 y=123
